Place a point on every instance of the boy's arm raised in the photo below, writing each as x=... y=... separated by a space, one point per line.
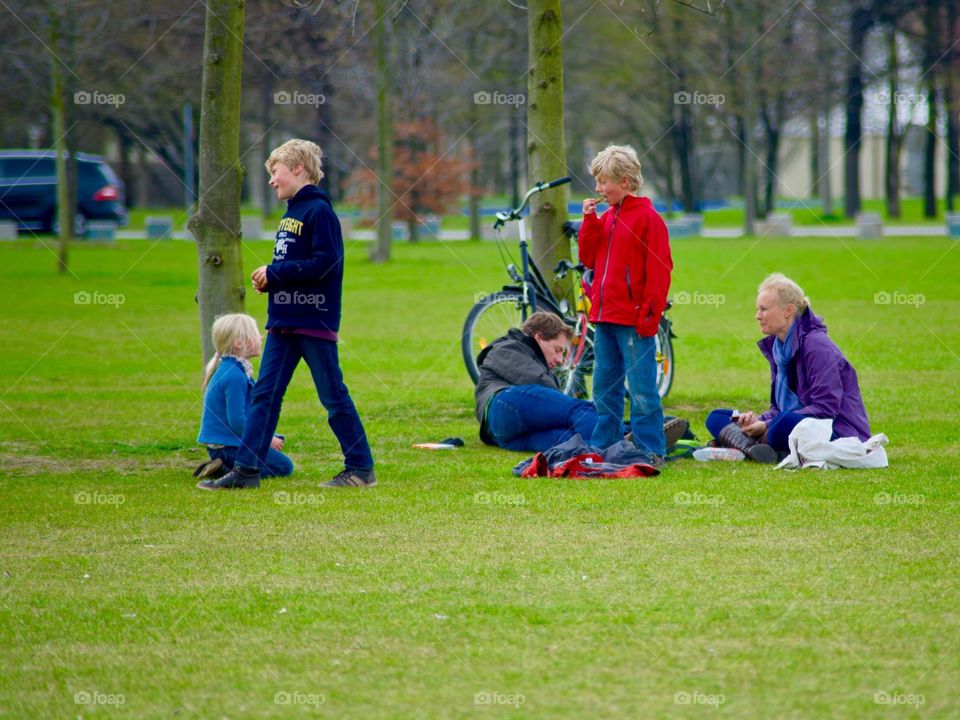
x=591 y=229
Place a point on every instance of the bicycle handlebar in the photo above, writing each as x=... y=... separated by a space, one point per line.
x=504 y=217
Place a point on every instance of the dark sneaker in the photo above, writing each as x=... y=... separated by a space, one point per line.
x=674 y=429
x=210 y=469
x=236 y=479
x=353 y=478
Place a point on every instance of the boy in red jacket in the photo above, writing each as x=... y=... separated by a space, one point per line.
x=629 y=252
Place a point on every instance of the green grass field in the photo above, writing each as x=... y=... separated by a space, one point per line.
x=454 y=589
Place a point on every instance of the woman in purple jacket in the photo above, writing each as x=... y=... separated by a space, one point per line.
x=809 y=377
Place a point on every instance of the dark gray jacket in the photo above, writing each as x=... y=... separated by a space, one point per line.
x=514 y=359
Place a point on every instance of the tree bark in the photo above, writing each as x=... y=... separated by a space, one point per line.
x=59 y=140
x=932 y=77
x=950 y=99
x=216 y=226
x=859 y=25
x=380 y=252
x=545 y=143
x=894 y=132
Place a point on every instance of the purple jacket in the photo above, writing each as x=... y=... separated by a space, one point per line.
x=822 y=378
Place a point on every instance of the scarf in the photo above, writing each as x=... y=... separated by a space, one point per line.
x=786 y=398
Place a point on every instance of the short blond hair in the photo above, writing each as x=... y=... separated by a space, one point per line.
x=788 y=292
x=616 y=162
x=299 y=152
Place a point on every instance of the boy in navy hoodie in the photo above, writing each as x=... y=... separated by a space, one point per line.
x=304 y=283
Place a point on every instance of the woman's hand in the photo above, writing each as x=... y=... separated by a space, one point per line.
x=755 y=430
x=747 y=418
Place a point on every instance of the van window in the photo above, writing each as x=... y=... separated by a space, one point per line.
x=29 y=167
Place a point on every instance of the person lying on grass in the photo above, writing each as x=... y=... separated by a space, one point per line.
x=518 y=399
x=227 y=385
x=809 y=377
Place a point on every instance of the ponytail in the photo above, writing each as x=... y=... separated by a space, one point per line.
x=210 y=370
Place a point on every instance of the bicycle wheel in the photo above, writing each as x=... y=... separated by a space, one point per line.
x=664 y=358
x=488 y=320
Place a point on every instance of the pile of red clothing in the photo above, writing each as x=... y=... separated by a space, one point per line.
x=577 y=459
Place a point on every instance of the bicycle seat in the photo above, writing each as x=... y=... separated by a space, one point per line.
x=572 y=228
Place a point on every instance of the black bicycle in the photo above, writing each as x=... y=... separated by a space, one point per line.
x=495 y=313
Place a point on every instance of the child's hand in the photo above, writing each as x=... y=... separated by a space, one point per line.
x=277 y=443
x=589 y=206
x=259 y=278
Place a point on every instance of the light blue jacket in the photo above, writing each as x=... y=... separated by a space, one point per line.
x=225 y=405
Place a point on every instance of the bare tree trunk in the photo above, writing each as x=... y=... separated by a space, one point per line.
x=59 y=140
x=380 y=252
x=950 y=99
x=749 y=84
x=932 y=77
x=216 y=226
x=814 y=122
x=545 y=144
x=859 y=25
x=894 y=134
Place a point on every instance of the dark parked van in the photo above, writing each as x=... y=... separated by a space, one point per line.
x=28 y=190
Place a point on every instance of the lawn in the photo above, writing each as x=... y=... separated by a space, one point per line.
x=454 y=589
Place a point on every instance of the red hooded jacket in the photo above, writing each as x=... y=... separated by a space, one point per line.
x=629 y=252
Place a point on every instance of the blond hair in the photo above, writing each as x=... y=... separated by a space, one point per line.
x=788 y=292
x=299 y=152
x=227 y=329
x=616 y=162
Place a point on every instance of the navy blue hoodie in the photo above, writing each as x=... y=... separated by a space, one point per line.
x=305 y=279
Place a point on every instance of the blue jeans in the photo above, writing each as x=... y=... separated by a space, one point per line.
x=276 y=463
x=778 y=428
x=281 y=355
x=534 y=418
x=621 y=355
